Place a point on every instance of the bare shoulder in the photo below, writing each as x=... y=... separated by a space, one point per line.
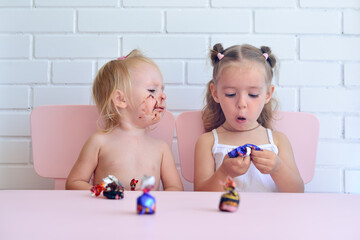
x=280 y=138
x=96 y=140
x=205 y=139
x=98 y=137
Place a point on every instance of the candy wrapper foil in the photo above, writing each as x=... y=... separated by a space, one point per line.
x=146 y=203
x=229 y=202
x=97 y=189
x=243 y=151
x=110 y=188
x=133 y=183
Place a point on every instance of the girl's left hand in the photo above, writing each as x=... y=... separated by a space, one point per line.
x=265 y=161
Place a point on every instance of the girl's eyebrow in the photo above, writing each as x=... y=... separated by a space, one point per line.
x=255 y=87
x=228 y=87
x=251 y=87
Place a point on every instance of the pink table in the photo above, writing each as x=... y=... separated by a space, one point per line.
x=27 y=214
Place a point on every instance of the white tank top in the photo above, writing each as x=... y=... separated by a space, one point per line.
x=253 y=180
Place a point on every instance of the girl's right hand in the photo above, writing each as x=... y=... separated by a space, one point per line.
x=234 y=167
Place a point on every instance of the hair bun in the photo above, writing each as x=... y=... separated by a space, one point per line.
x=271 y=58
x=217 y=48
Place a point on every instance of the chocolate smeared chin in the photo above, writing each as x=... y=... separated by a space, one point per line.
x=157 y=114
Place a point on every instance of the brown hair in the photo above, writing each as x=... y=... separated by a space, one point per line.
x=114 y=75
x=213 y=115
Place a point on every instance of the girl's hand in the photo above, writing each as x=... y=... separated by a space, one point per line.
x=234 y=167
x=265 y=161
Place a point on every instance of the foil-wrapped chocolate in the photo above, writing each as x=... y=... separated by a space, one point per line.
x=229 y=201
x=146 y=203
x=243 y=151
x=110 y=188
x=133 y=183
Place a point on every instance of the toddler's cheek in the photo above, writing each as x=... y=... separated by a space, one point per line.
x=147 y=109
x=147 y=106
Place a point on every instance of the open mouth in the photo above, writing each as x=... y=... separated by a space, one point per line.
x=241 y=118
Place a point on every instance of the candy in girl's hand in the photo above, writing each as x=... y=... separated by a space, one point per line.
x=111 y=188
x=146 y=203
x=229 y=201
x=133 y=183
x=243 y=151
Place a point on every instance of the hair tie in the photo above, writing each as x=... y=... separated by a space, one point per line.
x=266 y=56
x=121 y=58
x=220 y=56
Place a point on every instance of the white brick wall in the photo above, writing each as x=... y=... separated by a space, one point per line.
x=14 y=124
x=352 y=74
x=352 y=181
x=23 y=72
x=352 y=127
x=207 y=21
x=15 y=46
x=72 y=72
x=72 y=46
x=330 y=48
x=51 y=50
x=120 y=21
x=14 y=97
x=14 y=151
x=167 y=46
x=30 y=20
x=310 y=74
x=319 y=22
x=330 y=126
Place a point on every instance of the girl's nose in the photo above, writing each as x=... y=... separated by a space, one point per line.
x=162 y=96
x=241 y=103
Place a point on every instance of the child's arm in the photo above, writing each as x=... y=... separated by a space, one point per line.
x=281 y=167
x=169 y=174
x=85 y=166
x=205 y=177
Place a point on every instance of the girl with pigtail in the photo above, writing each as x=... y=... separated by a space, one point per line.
x=239 y=110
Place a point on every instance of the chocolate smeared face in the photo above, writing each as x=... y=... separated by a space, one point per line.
x=147 y=94
x=152 y=109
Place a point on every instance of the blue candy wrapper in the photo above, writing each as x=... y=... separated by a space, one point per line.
x=146 y=203
x=243 y=151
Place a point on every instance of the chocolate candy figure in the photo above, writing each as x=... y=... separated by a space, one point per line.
x=111 y=188
x=146 y=203
x=243 y=151
x=229 y=201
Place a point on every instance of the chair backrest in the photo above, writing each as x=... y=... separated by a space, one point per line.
x=58 y=133
x=302 y=130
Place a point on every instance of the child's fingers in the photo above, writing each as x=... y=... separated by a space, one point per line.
x=247 y=160
x=258 y=159
x=264 y=169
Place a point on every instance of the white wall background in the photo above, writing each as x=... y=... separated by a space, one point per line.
x=50 y=51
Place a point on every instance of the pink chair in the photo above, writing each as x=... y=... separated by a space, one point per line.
x=58 y=133
x=301 y=128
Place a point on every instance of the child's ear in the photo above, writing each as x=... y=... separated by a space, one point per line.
x=269 y=93
x=119 y=99
x=214 y=93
